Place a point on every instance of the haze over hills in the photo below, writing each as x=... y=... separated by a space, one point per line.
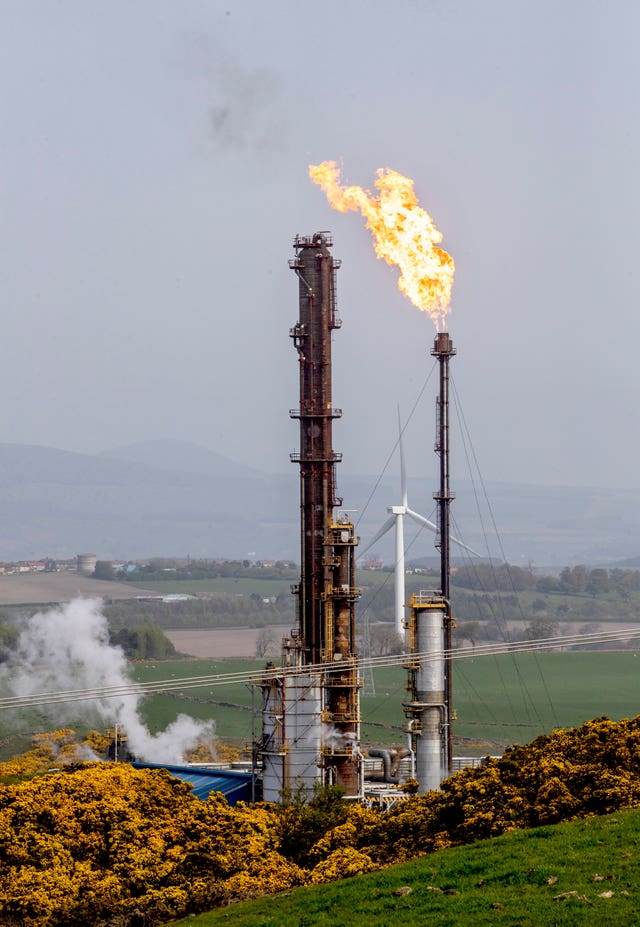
x=171 y=498
x=184 y=456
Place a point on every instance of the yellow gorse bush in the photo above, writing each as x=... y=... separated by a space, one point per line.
x=51 y=749
x=103 y=841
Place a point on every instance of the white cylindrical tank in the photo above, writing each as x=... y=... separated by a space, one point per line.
x=430 y=693
x=292 y=735
x=86 y=563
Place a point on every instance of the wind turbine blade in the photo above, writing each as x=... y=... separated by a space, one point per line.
x=403 y=472
x=389 y=523
x=470 y=550
x=429 y=524
x=422 y=520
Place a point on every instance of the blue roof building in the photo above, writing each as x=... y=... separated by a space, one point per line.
x=233 y=784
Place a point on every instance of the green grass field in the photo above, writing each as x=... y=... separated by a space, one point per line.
x=586 y=872
x=499 y=700
x=521 y=695
x=245 y=585
x=514 y=697
x=230 y=704
x=227 y=584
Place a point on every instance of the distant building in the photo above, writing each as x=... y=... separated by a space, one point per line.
x=86 y=564
x=47 y=565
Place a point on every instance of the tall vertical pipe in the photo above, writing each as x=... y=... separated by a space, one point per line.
x=443 y=349
x=430 y=622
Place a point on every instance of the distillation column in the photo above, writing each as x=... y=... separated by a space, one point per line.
x=316 y=269
x=313 y=708
x=326 y=593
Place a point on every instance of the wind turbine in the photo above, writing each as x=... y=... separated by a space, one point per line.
x=397 y=514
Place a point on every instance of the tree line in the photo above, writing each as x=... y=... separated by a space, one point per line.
x=171 y=569
x=142 y=642
x=218 y=610
x=576 y=580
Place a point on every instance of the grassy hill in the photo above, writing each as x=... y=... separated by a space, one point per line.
x=586 y=872
x=100 y=842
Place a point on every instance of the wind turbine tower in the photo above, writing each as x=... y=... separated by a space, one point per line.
x=397 y=514
x=396 y=519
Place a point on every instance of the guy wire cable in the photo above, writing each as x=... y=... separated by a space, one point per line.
x=140 y=689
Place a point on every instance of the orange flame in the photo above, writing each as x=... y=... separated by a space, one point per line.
x=403 y=234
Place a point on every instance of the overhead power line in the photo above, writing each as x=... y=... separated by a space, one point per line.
x=135 y=689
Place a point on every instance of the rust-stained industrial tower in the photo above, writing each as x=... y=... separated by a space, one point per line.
x=430 y=623
x=311 y=710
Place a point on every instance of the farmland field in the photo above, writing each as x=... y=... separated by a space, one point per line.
x=499 y=700
x=219 y=643
x=229 y=584
x=229 y=704
x=46 y=588
x=245 y=585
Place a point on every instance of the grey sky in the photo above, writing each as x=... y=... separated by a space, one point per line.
x=153 y=172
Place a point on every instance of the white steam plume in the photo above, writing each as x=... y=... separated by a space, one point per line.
x=68 y=648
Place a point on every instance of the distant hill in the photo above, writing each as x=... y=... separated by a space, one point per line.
x=631 y=563
x=171 y=498
x=184 y=456
x=55 y=503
